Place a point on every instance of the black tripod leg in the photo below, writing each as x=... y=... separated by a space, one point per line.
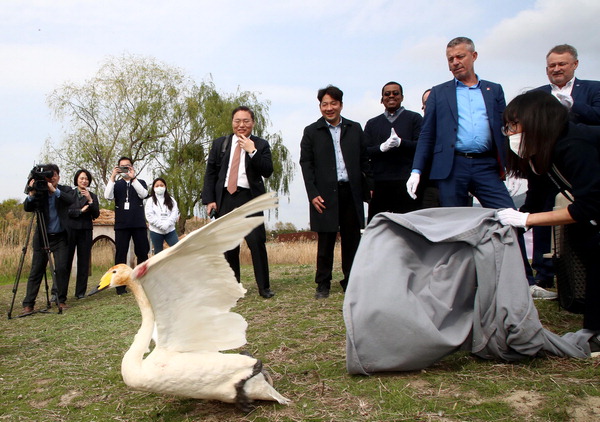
x=50 y=263
x=20 y=269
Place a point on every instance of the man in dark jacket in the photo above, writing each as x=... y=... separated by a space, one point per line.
x=334 y=164
x=582 y=98
x=52 y=203
x=234 y=175
x=391 y=143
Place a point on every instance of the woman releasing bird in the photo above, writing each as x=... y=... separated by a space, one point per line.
x=188 y=291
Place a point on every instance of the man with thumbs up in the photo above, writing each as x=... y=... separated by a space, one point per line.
x=391 y=143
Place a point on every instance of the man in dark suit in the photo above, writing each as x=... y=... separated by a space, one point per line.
x=52 y=202
x=391 y=142
x=234 y=175
x=129 y=193
x=334 y=162
x=582 y=98
x=462 y=143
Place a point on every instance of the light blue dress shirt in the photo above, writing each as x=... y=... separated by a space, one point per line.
x=474 y=133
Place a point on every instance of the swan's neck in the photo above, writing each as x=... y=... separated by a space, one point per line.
x=134 y=356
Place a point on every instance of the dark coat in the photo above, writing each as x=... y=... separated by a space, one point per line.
x=437 y=140
x=62 y=204
x=217 y=166
x=317 y=159
x=586 y=101
x=577 y=157
x=83 y=220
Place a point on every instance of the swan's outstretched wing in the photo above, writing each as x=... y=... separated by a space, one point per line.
x=192 y=288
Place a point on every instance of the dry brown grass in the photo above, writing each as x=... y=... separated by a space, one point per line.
x=14 y=233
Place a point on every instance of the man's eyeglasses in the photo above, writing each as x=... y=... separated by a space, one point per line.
x=509 y=128
x=238 y=122
x=388 y=93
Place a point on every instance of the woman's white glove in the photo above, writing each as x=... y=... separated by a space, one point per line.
x=412 y=184
x=510 y=217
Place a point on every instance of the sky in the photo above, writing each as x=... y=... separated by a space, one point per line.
x=283 y=50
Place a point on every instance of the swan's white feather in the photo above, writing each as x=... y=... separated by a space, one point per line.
x=192 y=288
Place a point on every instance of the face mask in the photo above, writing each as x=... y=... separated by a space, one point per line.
x=160 y=190
x=514 y=142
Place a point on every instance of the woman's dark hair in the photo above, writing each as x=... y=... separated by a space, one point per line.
x=543 y=119
x=87 y=173
x=168 y=200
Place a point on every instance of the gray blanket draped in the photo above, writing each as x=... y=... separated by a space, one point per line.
x=430 y=282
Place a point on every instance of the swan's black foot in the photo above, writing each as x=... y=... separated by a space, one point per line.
x=242 y=401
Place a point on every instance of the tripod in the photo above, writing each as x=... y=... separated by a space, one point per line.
x=41 y=226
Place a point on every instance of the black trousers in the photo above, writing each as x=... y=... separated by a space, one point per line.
x=60 y=253
x=141 y=247
x=350 y=238
x=391 y=196
x=80 y=240
x=256 y=241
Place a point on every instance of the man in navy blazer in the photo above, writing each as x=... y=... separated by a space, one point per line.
x=225 y=190
x=461 y=145
x=582 y=98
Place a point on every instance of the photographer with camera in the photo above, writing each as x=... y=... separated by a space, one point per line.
x=51 y=201
x=128 y=193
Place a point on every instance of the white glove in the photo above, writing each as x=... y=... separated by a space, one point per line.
x=510 y=217
x=565 y=100
x=412 y=184
x=392 y=142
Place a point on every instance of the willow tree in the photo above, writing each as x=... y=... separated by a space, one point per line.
x=155 y=114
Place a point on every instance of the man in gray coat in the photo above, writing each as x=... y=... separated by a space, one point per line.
x=334 y=165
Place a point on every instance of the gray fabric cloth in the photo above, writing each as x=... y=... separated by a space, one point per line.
x=430 y=282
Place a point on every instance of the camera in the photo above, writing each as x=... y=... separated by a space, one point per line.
x=40 y=175
x=124 y=169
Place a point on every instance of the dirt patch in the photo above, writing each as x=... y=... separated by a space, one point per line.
x=67 y=398
x=587 y=410
x=525 y=403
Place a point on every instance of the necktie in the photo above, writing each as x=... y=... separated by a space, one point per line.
x=233 y=170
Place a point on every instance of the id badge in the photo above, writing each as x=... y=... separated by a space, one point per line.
x=126 y=207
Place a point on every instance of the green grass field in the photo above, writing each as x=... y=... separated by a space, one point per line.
x=67 y=367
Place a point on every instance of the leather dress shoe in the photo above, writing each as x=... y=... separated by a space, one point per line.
x=62 y=306
x=322 y=294
x=27 y=310
x=267 y=293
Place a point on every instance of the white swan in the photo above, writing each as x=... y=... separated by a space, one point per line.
x=187 y=291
